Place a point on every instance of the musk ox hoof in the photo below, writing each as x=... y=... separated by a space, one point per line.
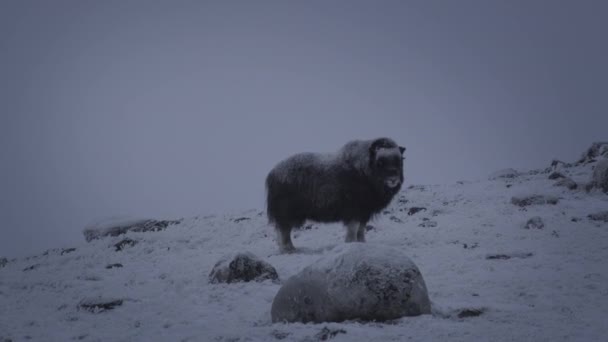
x=356 y=281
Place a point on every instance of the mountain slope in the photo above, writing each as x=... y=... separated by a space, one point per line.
x=469 y=241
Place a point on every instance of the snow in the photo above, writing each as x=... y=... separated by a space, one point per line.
x=554 y=287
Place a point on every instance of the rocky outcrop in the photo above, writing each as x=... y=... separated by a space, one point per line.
x=242 y=267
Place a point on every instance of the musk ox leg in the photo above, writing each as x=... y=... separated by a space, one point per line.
x=284 y=239
x=351 y=231
x=361 y=233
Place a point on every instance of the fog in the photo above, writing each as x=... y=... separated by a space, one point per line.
x=173 y=109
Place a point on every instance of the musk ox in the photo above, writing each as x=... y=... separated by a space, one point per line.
x=349 y=186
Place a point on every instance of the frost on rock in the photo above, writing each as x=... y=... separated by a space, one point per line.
x=504 y=174
x=599 y=179
x=356 y=281
x=115 y=227
x=242 y=267
x=523 y=201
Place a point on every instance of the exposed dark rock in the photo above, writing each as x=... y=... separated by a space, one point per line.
x=428 y=224
x=471 y=246
x=597 y=149
x=381 y=282
x=509 y=256
x=599 y=216
x=3 y=262
x=504 y=174
x=556 y=175
x=127 y=226
x=97 y=305
x=240 y=219
x=117 y=265
x=599 y=179
x=414 y=210
x=575 y=219
x=242 y=267
x=369 y=228
x=464 y=313
x=524 y=201
x=32 y=267
x=535 y=223
x=327 y=334
x=124 y=243
x=395 y=219
x=567 y=182
x=67 y=250
x=279 y=335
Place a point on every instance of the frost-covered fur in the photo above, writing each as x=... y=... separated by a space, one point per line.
x=349 y=186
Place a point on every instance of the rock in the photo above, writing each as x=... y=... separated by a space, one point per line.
x=30 y=268
x=428 y=224
x=327 y=334
x=117 y=265
x=535 y=223
x=118 y=227
x=504 y=174
x=414 y=210
x=599 y=179
x=464 y=313
x=558 y=165
x=395 y=219
x=99 y=304
x=597 y=149
x=3 y=262
x=242 y=267
x=524 y=201
x=599 y=216
x=509 y=256
x=566 y=182
x=556 y=175
x=67 y=250
x=241 y=219
x=124 y=243
x=355 y=281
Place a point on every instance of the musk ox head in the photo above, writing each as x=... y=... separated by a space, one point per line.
x=386 y=163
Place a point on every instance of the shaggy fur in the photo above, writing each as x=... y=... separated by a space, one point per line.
x=350 y=186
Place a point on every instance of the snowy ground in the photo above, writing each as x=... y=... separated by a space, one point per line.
x=553 y=288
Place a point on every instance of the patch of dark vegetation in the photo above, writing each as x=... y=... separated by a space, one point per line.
x=124 y=243
x=98 y=305
x=327 y=334
x=117 y=265
x=241 y=219
x=509 y=256
x=67 y=250
x=414 y=210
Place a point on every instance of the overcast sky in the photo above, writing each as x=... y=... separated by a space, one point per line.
x=172 y=109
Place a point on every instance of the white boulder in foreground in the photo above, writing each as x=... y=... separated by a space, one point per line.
x=599 y=179
x=356 y=281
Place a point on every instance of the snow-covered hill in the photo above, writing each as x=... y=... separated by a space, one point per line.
x=470 y=241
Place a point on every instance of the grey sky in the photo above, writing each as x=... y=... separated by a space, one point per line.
x=177 y=108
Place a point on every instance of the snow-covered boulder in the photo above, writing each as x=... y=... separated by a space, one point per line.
x=355 y=281
x=118 y=226
x=599 y=179
x=523 y=201
x=242 y=267
x=535 y=223
x=504 y=174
